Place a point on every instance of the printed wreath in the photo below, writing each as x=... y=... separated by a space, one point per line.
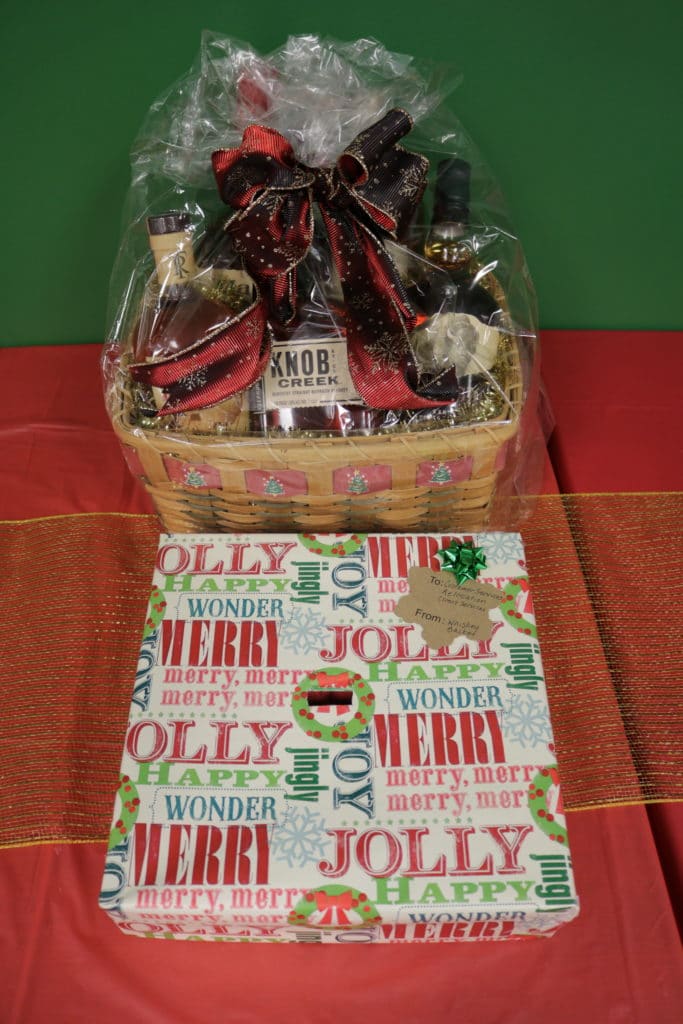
x=130 y=802
x=338 y=548
x=156 y=611
x=331 y=900
x=510 y=592
x=327 y=679
x=538 y=804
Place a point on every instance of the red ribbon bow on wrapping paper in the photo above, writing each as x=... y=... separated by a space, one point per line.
x=340 y=681
x=334 y=907
x=373 y=187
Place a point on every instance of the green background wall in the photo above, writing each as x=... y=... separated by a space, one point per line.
x=575 y=105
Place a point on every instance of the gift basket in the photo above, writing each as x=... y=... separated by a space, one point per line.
x=320 y=317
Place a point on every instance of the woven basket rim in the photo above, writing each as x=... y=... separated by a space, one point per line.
x=170 y=438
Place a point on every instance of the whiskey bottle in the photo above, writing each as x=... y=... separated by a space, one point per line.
x=176 y=312
x=307 y=388
x=181 y=306
x=458 y=344
x=448 y=243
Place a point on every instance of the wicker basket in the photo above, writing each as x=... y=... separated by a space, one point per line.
x=423 y=479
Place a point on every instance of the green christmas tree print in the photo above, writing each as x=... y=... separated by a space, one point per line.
x=195 y=479
x=441 y=474
x=273 y=486
x=358 y=484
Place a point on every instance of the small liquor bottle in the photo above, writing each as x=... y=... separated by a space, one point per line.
x=458 y=344
x=176 y=312
x=447 y=243
x=180 y=308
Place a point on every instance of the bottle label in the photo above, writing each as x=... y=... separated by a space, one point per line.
x=174 y=258
x=308 y=373
x=237 y=284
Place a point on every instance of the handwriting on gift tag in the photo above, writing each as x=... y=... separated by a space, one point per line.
x=445 y=610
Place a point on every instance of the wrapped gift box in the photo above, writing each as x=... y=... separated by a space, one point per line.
x=339 y=738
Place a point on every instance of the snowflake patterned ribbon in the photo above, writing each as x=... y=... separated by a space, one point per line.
x=364 y=199
x=465 y=561
x=217 y=366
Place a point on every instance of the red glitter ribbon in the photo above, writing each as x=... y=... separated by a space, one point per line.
x=372 y=189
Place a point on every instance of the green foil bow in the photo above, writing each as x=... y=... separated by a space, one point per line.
x=463 y=560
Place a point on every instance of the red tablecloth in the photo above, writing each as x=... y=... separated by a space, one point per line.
x=617 y=397
x=64 y=961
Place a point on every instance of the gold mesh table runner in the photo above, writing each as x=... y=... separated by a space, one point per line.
x=605 y=572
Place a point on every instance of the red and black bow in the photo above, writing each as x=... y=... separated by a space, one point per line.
x=373 y=187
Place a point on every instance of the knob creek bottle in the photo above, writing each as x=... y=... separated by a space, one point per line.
x=307 y=388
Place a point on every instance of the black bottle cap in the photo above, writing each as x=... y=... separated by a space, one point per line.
x=452 y=193
x=168 y=223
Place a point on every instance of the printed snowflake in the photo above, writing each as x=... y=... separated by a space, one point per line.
x=252 y=330
x=548 y=922
x=411 y=181
x=195 y=379
x=363 y=301
x=526 y=721
x=304 y=631
x=289 y=254
x=385 y=351
x=300 y=838
x=502 y=547
x=239 y=180
x=270 y=202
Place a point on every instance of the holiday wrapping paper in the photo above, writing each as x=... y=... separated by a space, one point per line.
x=339 y=738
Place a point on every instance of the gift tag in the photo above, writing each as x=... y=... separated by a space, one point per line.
x=444 y=609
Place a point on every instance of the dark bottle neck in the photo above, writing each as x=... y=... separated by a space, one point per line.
x=452 y=193
x=464 y=296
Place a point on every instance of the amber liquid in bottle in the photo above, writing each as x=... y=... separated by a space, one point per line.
x=176 y=312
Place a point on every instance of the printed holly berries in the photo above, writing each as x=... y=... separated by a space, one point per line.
x=508 y=605
x=545 y=803
x=334 y=906
x=341 y=545
x=155 y=612
x=130 y=803
x=331 y=679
